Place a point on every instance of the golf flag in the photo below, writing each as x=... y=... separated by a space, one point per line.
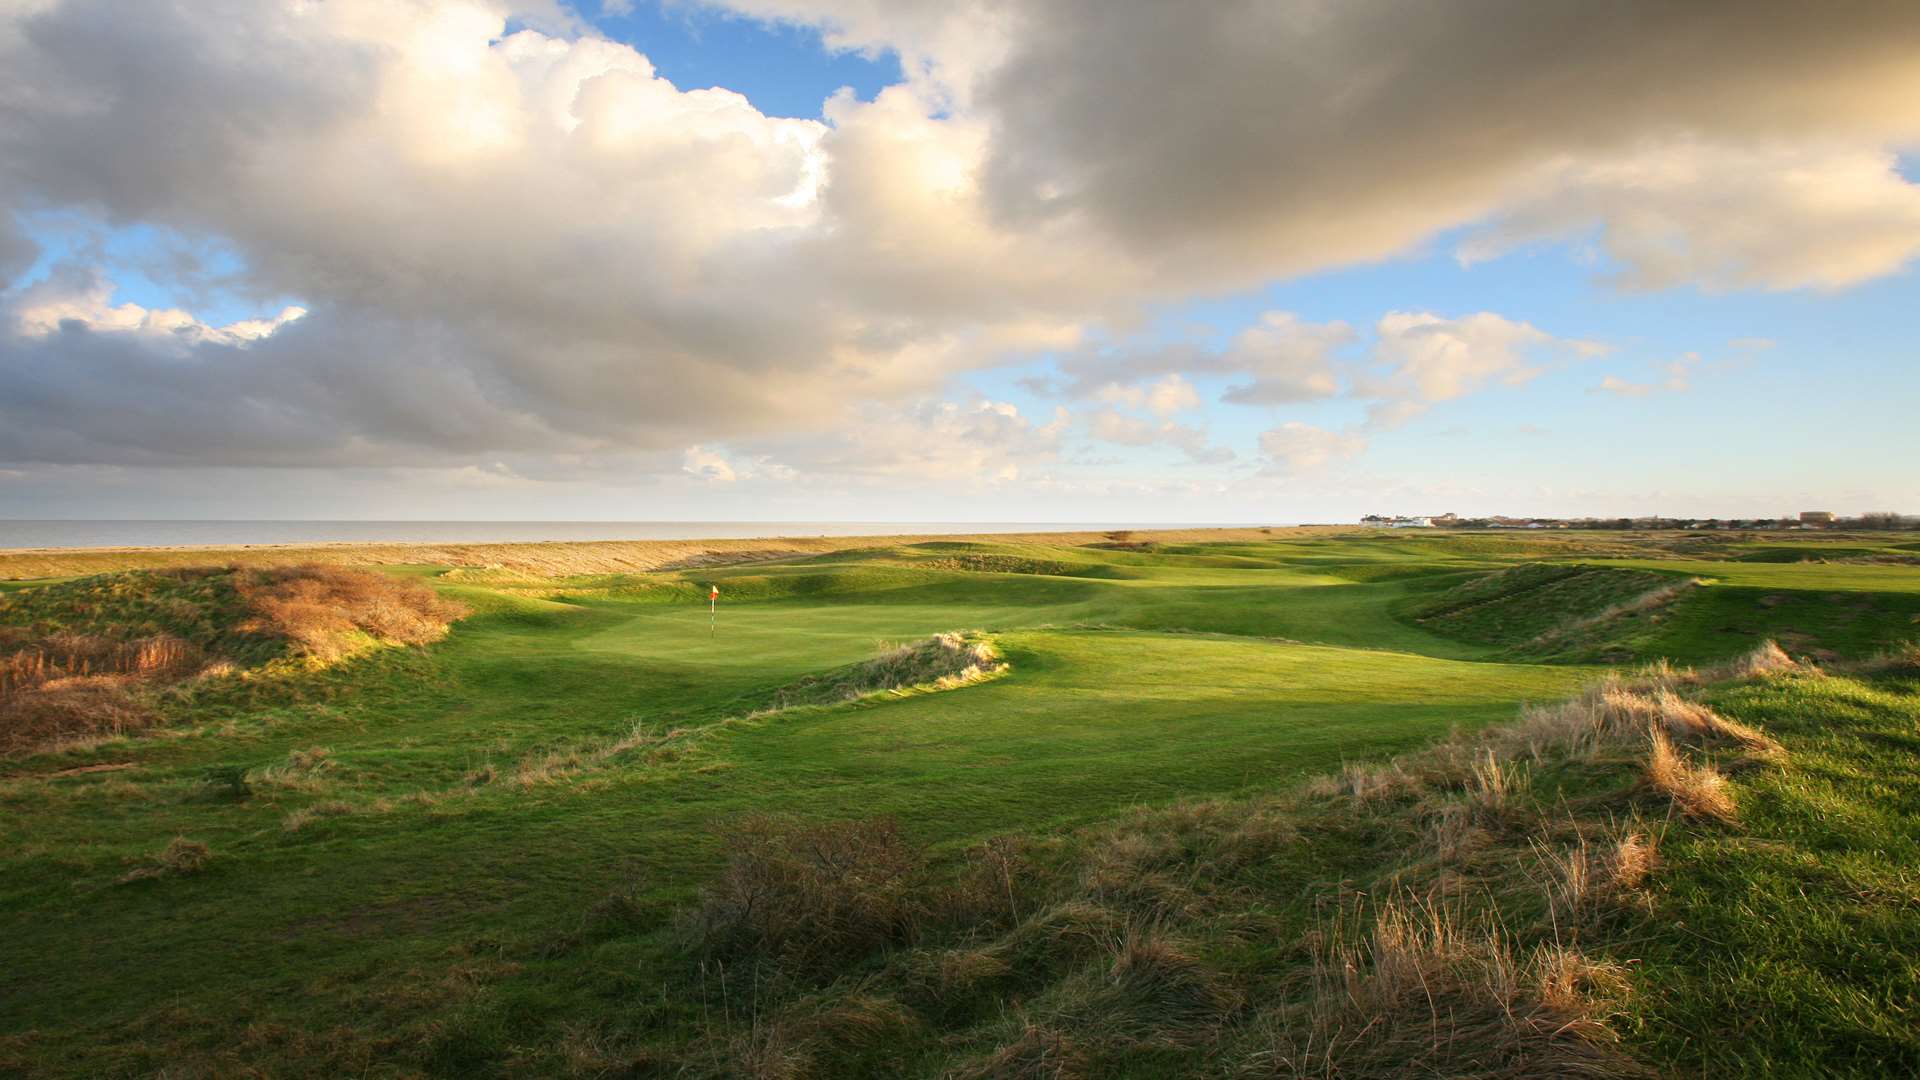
x=715 y=594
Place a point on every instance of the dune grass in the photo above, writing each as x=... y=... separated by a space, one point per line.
x=481 y=857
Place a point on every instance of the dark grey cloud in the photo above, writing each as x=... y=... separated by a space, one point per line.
x=1297 y=133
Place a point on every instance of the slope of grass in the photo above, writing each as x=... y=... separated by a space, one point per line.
x=1553 y=609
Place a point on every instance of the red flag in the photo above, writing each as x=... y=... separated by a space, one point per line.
x=715 y=594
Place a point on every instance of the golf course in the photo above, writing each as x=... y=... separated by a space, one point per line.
x=1087 y=806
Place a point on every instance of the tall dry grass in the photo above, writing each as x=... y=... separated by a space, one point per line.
x=319 y=609
x=65 y=656
x=1426 y=990
x=78 y=707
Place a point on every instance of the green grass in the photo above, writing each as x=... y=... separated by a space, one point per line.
x=1805 y=924
x=578 y=738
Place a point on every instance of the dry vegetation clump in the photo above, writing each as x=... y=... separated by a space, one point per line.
x=1427 y=992
x=813 y=893
x=307 y=815
x=1619 y=714
x=72 y=709
x=304 y=770
x=1697 y=790
x=1766 y=659
x=1155 y=988
x=1904 y=658
x=180 y=858
x=323 y=611
x=1586 y=876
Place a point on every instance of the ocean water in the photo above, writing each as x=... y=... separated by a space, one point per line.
x=85 y=534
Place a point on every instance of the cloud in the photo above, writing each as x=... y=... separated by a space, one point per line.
x=1725 y=217
x=1290 y=359
x=1109 y=425
x=707 y=464
x=1295 y=448
x=981 y=442
x=17 y=250
x=1428 y=357
x=1286 y=358
x=1164 y=397
x=1678 y=379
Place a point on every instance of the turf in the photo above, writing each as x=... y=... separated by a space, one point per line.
x=579 y=737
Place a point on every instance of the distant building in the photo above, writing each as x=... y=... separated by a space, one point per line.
x=1375 y=521
x=1816 y=517
x=1413 y=523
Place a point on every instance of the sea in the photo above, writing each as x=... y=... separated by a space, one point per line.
x=106 y=534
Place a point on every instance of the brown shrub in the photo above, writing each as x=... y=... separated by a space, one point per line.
x=319 y=609
x=77 y=707
x=813 y=893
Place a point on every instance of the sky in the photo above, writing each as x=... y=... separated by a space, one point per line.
x=957 y=260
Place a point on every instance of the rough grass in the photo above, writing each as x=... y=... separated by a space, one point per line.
x=1128 y=950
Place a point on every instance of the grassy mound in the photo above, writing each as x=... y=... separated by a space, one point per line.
x=82 y=658
x=1575 y=893
x=1552 y=610
x=942 y=661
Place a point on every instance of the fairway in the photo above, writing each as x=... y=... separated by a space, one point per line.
x=580 y=737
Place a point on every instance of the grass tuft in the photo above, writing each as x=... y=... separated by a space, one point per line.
x=180 y=858
x=1698 y=790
